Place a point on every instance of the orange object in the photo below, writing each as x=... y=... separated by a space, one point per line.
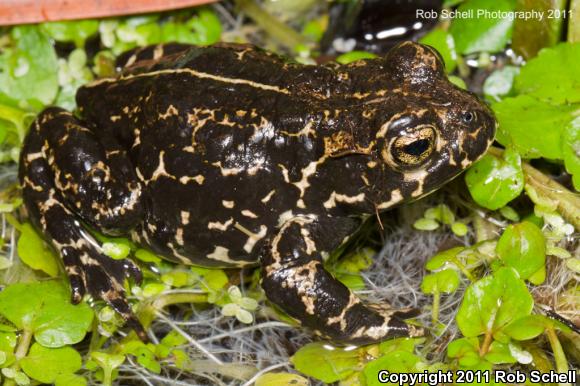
x=35 y=11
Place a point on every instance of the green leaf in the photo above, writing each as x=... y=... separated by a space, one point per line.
x=393 y=362
x=108 y=362
x=46 y=364
x=29 y=70
x=509 y=213
x=353 y=56
x=211 y=278
x=178 y=278
x=207 y=26
x=499 y=353
x=539 y=276
x=443 y=259
x=477 y=33
x=573 y=265
x=426 y=224
x=457 y=81
x=466 y=350
x=35 y=253
x=399 y=344
x=71 y=31
x=443 y=42
x=459 y=228
x=70 y=380
x=523 y=247
x=326 y=363
x=553 y=76
x=493 y=302
x=147 y=256
x=445 y=281
x=500 y=82
x=532 y=127
x=493 y=181
x=145 y=355
x=117 y=251
x=21 y=379
x=531 y=326
x=571 y=150
x=527 y=327
x=347 y=269
x=281 y=379
x=45 y=309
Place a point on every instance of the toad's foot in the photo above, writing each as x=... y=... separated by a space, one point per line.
x=62 y=158
x=92 y=272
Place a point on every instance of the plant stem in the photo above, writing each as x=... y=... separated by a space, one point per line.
x=559 y=356
x=276 y=29
x=463 y=269
x=486 y=343
x=435 y=309
x=165 y=300
x=21 y=351
x=107 y=377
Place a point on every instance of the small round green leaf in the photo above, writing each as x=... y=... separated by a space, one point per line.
x=70 y=380
x=394 y=362
x=46 y=364
x=35 y=253
x=445 y=281
x=466 y=350
x=116 y=251
x=45 y=309
x=573 y=265
x=493 y=182
x=523 y=247
x=499 y=353
x=326 y=363
x=71 y=31
x=527 y=327
x=426 y=224
x=491 y=303
x=443 y=259
x=459 y=228
x=281 y=379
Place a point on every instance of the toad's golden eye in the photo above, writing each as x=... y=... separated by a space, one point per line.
x=413 y=148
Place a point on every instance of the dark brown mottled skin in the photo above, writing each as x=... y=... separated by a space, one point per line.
x=231 y=156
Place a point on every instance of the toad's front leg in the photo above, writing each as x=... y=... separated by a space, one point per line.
x=295 y=279
x=69 y=175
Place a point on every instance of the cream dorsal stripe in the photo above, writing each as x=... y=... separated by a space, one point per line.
x=194 y=73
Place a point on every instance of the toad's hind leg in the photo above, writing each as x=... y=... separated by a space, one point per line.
x=68 y=175
x=295 y=280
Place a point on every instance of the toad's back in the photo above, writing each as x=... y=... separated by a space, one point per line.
x=228 y=141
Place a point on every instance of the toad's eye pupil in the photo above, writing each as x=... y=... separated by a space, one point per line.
x=417 y=148
x=467 y=117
